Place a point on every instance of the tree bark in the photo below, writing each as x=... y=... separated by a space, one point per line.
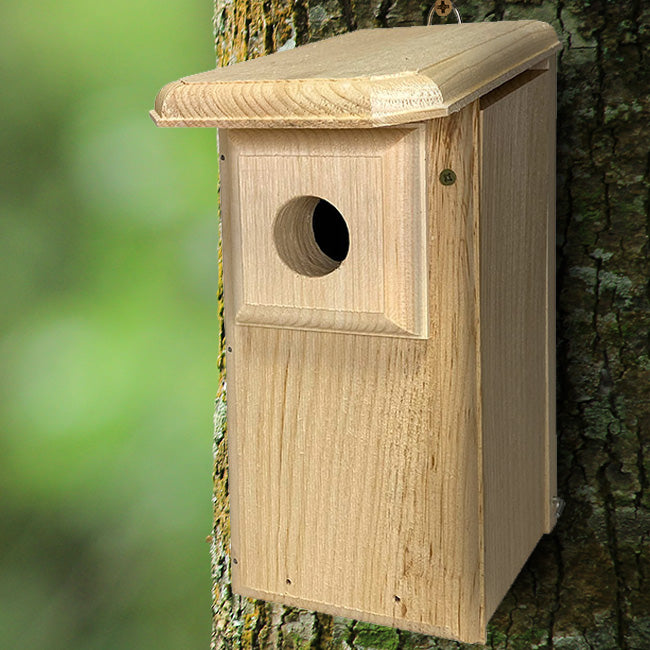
x=587 y=585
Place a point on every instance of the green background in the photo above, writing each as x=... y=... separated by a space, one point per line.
x=108 y=329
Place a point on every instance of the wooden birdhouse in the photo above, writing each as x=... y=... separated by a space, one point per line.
x=388 y=241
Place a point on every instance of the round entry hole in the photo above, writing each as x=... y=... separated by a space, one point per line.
x=311 y=236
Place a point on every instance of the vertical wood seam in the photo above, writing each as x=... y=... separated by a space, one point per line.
x=476 y=181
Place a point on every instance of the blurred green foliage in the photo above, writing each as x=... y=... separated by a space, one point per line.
x=108 y=329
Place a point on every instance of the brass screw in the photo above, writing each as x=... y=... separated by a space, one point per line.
x=447 y=176
x=443 y=7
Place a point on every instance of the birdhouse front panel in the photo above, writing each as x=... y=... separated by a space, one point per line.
x=342 y=444
x=388 y=244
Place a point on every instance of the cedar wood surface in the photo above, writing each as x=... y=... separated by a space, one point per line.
x=354 y=459
x=321 y=435
x=380 y=288
x=348 y=81
x=516 y=225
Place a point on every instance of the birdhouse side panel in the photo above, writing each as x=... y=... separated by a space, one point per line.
x=517 y=228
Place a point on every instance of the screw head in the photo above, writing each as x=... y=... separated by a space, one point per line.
x=447 y=176
x=443 y=7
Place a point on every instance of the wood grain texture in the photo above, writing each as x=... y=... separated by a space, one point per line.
x=362 y=79
x=354 y=460
x=376 y=179
x=402 y=482
x=517 y=315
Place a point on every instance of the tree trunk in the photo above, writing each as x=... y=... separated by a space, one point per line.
x=588 y=584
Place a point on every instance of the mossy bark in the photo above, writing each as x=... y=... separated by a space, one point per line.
x=588 y=584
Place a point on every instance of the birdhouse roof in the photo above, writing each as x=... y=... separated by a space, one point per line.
x=366 y=78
